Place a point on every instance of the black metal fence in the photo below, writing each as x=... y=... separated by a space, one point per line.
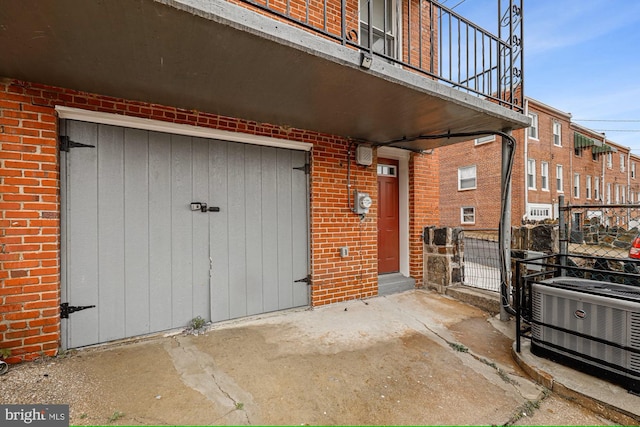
x=424 y=36
x=481 y=259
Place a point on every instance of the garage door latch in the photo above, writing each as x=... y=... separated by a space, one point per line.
x=66 y=309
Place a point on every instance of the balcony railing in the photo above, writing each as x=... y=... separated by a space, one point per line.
x=423 y=36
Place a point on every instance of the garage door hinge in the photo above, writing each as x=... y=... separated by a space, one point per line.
x=66 y=309
x=306 y=168
x=306 y=280
x=66 y=144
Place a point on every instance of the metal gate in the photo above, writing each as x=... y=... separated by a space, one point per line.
x=481 y=259
x=160 y=228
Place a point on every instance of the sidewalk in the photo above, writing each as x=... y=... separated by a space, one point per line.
x=412 y=358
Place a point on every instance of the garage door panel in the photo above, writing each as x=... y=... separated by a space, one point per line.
x=284 y=172
x=219 y=236
x=253 y=237
x=135 y=249
x=181 y=230
x=200 y=271
x=111 y=231
x=82 y=211
x=160 y=275
x=299 y=230
x=269 y=235
x=136 y=209
x=237 y=232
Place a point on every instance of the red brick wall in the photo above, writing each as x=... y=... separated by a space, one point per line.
x=544 y=150
x=334 y=225
x=30 y=208
x=486 y=197
x=424 y=187
x=29 y=225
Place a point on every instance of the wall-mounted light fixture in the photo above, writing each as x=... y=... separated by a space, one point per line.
x=365 y=60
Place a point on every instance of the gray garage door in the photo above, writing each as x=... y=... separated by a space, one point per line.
x=133 y=247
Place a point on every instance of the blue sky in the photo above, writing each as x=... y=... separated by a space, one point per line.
x=581 y=56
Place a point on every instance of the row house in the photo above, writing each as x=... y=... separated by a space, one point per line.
x=167 y=159
x=554 y=157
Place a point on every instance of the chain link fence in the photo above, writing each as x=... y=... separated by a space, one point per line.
x=481 y=259
x=599 y=230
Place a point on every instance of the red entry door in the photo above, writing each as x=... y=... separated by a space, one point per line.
x=388 y=217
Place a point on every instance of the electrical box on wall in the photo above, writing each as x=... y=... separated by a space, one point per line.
x=361 y=202
x=364 y=155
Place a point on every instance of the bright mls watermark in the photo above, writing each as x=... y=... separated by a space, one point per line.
x=34 y=415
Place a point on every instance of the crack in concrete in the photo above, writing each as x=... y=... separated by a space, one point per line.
x=463 y=349
x=235 y=402
x=197 y=368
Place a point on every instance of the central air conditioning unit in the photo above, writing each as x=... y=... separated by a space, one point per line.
x=590 y=325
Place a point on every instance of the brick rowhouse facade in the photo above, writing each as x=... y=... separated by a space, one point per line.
x=30 y=208
x=557 y=159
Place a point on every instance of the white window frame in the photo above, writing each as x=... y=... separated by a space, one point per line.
x=609 y=160
x=596 y=188
x=559 y=179
x=531 y=174
x=609 y=194
x=622 y=162
x=533 y=129
x=484 y=139
x=557 y=133
x=617 y=193
x=461 y=178
x=623 y=194
x=393 y=33
x=544 y=176
x=464 y=216
x=539 y=211
x=633 y=170
x=587 y=186
x=576 y=185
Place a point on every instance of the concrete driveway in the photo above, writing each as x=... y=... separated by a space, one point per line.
x=411 y=358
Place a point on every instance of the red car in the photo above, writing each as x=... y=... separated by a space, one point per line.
x=634 y=250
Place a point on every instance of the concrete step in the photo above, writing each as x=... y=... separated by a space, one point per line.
x=392 y=283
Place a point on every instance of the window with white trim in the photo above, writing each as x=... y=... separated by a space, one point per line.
x=557 y=134
x=617 y=193
x=484 y=139
x=576 y=185
x=596 y=188
x=385 y=26
x=609 y=194
x=467 y=178
x=559 y=179
x=609 y=160
x=387 y=170
x=531 y=174
x=587 y=186
x=544 y=175
x=633 y=170
x=539 y=211
x=622 y=163
x=468 y=215
x=623 y=194
x=533 y=129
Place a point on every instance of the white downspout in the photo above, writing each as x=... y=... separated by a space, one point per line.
x=627 y=200
x=526 y=161
x=604 y=160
